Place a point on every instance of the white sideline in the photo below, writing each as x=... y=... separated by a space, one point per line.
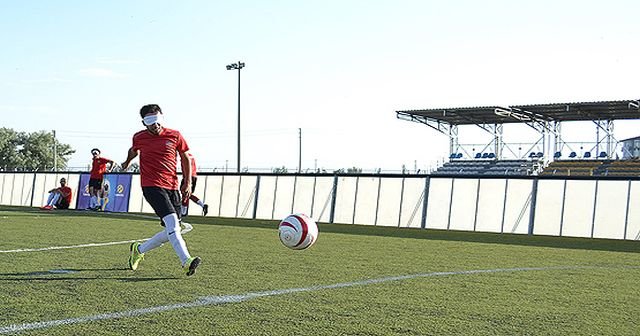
x=222 y=299
x=187 y=228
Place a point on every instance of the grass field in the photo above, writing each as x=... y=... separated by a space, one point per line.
x=356 y=280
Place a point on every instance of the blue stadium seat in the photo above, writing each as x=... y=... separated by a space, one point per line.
x=539 y=154
x=478 y=155
x=532 y=155
x=573 y=154
x=452 y=156
x=492 y=155
x=602 y=155
x=485 y=155
x=459 y=156
x=587 y=155
x=557 y=155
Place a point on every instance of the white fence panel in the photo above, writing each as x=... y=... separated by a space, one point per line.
x=439 y=203
x=412 y=202
x=322 y=196
x=229 y=199
x=633 y=220
x=345 y=199
x=366 y=200
x=518 y=206
x=548 y=213
x=283 y=205
x=389 y=203
x=266 y=197
x=578 y=209
x=303 y=199
x=491 y=201
x=246 y=200
x=611 y=207
x=463 y=204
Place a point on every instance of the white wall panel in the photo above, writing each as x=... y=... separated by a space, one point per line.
x=345 y=199
x=284 y=197
x=266 y=197
x=518 y=206
x=633 y=220
x=491 y=205
x=389 y=204
x=303 y=198
x=136 y=200
x=411 y=210
x=247 y=196
x=463 y=204
x=322 y=199
x=229 y=200
x=611 y=205
x=6 y=193
x=366 y=200
x=548 y=213
x=438 y=206
x=578 y=209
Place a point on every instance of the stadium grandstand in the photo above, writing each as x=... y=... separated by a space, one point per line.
x=549 y=154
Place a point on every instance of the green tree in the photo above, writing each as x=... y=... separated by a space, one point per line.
x=31 y=151
x=9 y=145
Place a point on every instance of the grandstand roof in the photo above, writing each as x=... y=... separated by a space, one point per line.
x=601 y=110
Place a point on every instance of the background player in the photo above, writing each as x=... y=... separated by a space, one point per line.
x=60 y=197
x=194 y=198
x=98 y=168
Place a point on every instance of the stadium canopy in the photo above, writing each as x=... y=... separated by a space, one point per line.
x=586 y=111
x=545 y=118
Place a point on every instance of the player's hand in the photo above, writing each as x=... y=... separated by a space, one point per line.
x=185 y=189
x=125 y=165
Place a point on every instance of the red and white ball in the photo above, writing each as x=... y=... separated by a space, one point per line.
x=298 y=231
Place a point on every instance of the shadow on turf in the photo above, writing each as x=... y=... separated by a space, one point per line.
x=51 y=276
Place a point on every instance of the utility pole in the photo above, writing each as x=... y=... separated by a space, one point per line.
x=299 y=150
x=55 y=152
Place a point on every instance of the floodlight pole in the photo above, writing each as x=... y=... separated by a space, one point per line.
x=237 y=66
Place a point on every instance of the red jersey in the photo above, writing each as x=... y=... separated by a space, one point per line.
x=193 y=165
x=66 y=193
x=99 y=167
x=158 y=157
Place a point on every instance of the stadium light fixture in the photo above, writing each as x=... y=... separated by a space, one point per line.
x=237 y=66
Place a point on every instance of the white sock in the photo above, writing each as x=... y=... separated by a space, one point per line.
x=183 y=210
x=156 y=241
x=200 y=203
x=172 y=227
x=93 y=201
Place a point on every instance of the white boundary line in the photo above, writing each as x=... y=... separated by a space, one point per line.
x=223 y=299
x=72 y=246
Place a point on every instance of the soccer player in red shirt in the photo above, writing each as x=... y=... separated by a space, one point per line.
x=98 y=168
x=59 y=197
x=159 y=147
x=194 y=198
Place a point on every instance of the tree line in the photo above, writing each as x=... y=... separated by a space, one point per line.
x=34 y=151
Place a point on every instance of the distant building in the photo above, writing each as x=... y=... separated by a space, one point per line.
x=631 y=148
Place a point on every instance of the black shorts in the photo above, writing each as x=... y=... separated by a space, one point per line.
x=62 y=203
x=95 y=183
x=163 y=201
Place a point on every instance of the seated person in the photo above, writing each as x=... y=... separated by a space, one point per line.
x=59 y=197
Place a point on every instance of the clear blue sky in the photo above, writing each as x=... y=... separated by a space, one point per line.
x=337 y=69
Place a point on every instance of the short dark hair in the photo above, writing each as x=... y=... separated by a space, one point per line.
x=95 y=150
x=150 y=108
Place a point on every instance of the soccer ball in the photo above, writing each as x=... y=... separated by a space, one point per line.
x=298 y=231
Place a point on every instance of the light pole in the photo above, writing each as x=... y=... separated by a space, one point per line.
x=237 y=66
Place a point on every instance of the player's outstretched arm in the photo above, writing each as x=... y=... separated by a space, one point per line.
x=130 y=156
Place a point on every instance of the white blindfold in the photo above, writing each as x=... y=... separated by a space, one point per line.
x=153 y=119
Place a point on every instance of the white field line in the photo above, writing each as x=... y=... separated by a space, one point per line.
x=224 y=299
